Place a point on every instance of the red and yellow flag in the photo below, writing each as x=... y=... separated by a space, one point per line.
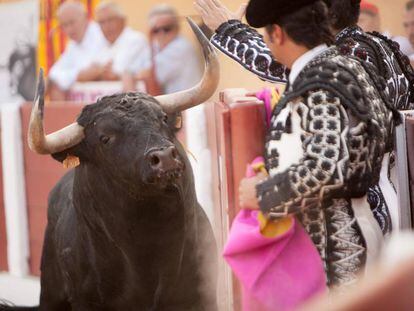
x=52 y=41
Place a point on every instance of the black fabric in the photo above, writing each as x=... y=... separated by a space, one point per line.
x=261 y=13
x=388 y=61
x=402 y=59
x=329 y=2
x=380 y=209
x=246 y=46
x=319 y=74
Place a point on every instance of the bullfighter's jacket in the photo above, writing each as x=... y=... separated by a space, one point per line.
x=323 y=151
x=246 y=46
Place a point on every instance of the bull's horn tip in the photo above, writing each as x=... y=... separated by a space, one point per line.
x=194 y=26
x=40 y=84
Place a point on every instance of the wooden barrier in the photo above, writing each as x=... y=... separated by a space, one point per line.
x=410 y=151
x=240 y=136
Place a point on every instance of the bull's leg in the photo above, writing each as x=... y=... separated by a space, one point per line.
x=49 y=305
x=52 y=295
x=208 y=261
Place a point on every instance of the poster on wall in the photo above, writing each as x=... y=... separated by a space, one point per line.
x=19 y=36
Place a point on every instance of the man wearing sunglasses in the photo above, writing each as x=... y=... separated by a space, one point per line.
x=172 y=61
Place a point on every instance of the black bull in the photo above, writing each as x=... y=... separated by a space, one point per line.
x=125 y=230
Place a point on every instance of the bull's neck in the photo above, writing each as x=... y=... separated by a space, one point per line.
x=103 y=204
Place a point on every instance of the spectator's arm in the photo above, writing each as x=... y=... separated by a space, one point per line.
x=94 y=72
x=130 y=56
x=170 y=60
x=128 y=82
x=63 y=74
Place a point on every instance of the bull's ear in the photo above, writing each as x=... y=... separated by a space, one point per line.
x=175 y=121
x=70 y=155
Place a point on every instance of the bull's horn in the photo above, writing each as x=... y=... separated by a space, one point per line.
x=57 y=141
x=205 y=88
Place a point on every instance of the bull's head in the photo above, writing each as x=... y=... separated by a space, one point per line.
x=125 y=129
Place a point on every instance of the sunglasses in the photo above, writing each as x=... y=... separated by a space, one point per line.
x=164 y=29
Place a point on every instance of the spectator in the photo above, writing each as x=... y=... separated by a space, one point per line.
x=123 y=45
x=172 y=60
x=409 y=25
x=86 y=40
x=369 y=19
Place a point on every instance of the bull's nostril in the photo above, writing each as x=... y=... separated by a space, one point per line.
x=154 y=160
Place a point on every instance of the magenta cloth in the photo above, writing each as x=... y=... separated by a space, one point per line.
x=276 y=273
x=266 y=96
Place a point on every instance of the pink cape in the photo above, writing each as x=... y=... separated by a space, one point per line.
x=276 y=273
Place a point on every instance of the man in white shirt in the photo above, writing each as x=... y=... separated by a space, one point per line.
x=408 y=22
x=175 y=60
x=123 y=45
x=86 y=40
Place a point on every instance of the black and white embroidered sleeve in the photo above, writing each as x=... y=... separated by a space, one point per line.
x=323 y=121
x=246 y=46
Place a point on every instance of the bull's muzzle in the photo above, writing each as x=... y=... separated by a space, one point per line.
x=165 y=164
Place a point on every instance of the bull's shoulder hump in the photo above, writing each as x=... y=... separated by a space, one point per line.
x=61 y=194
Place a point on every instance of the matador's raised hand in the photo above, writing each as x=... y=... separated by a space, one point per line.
x=214 y=13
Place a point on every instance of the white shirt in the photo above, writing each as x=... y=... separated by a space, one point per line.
x=177 y=66
x=405 y=45
x=129 y=46
x=303 y=60
x=77 y=56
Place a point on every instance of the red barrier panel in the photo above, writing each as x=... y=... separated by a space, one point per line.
x=41 y=174
x=240 y=138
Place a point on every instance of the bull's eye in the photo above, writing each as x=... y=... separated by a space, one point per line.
x=104 y=139
x=165 y=119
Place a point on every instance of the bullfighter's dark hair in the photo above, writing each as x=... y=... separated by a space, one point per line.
x=308 y=26
x=344 y=13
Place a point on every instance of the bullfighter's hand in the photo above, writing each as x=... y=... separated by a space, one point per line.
x=247 y=191
x=214 y=13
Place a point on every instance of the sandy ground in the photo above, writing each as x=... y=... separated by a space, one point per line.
x=20 y=291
